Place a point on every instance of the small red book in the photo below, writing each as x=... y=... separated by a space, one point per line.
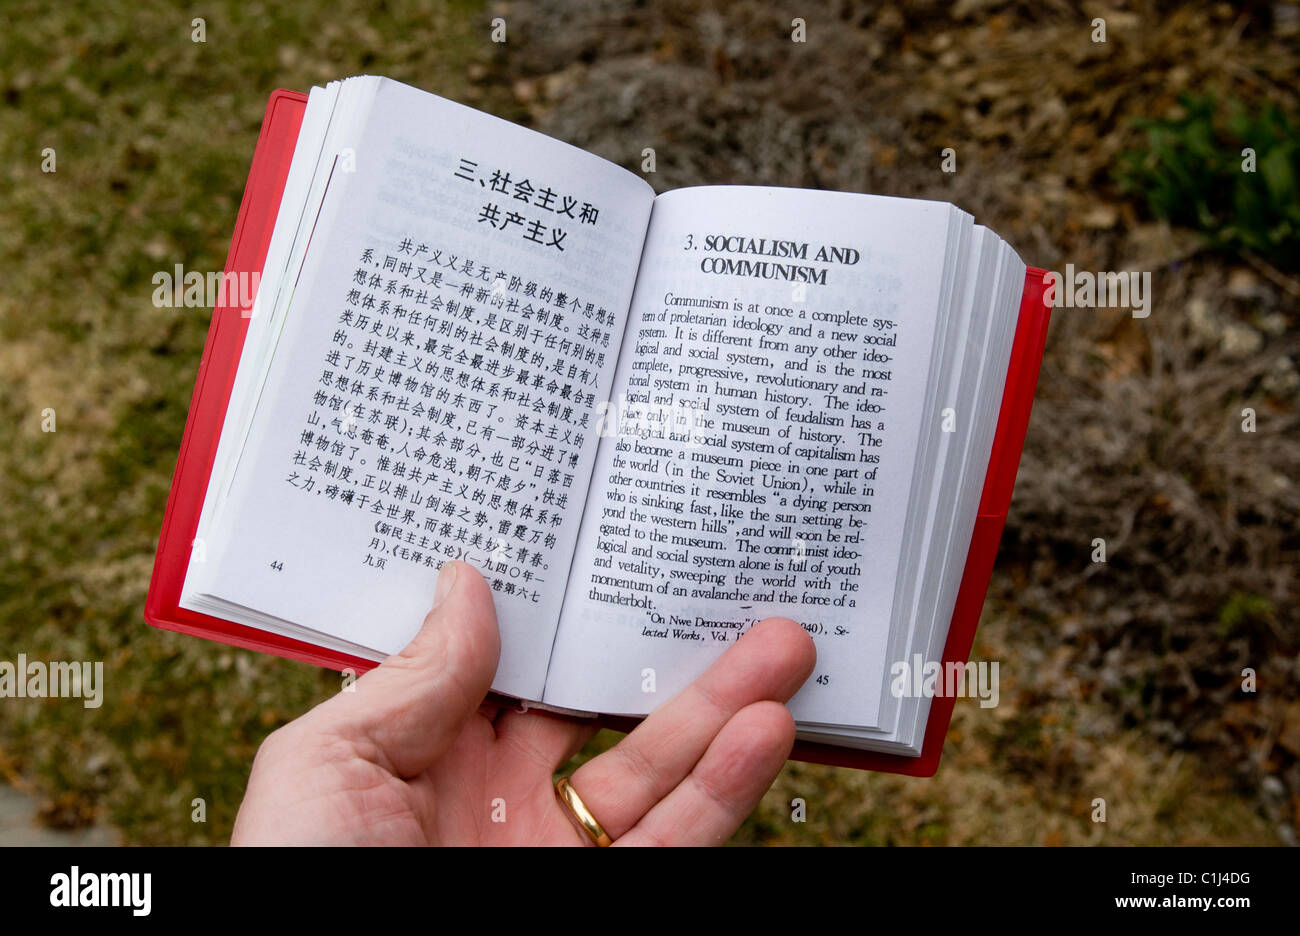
x=650 y=421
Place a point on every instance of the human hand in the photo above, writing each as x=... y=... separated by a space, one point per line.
x=414 y=756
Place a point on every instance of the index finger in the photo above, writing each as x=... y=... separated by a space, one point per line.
x=770 y=662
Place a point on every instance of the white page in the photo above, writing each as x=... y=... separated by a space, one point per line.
x=295 y=550
x=299 y=207
x=609 y=649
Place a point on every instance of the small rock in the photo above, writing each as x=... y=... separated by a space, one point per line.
x=1274 y=324
x=525 y=91
x=1204 y=321
x=1101 y=218
x=1289 y=739
x=1283 y=379
x=1240 y=340
x=1243 y=284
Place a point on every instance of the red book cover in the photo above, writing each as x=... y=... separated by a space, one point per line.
x=216 y=377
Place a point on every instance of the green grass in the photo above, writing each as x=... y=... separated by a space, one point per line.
x=153 y=135
x=1225 y=170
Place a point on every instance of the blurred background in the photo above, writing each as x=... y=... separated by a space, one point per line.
x=1120 y=680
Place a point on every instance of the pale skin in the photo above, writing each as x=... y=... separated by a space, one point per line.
x=413 y=755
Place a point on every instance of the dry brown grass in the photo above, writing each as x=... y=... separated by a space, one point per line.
x=1125 y=676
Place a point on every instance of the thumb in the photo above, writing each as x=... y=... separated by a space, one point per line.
x=412 y=706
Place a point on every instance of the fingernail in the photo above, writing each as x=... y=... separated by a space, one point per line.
x=446 y=581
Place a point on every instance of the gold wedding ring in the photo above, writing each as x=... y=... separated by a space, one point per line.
x=581 y=814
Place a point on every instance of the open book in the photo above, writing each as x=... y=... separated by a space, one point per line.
x=649 y=421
